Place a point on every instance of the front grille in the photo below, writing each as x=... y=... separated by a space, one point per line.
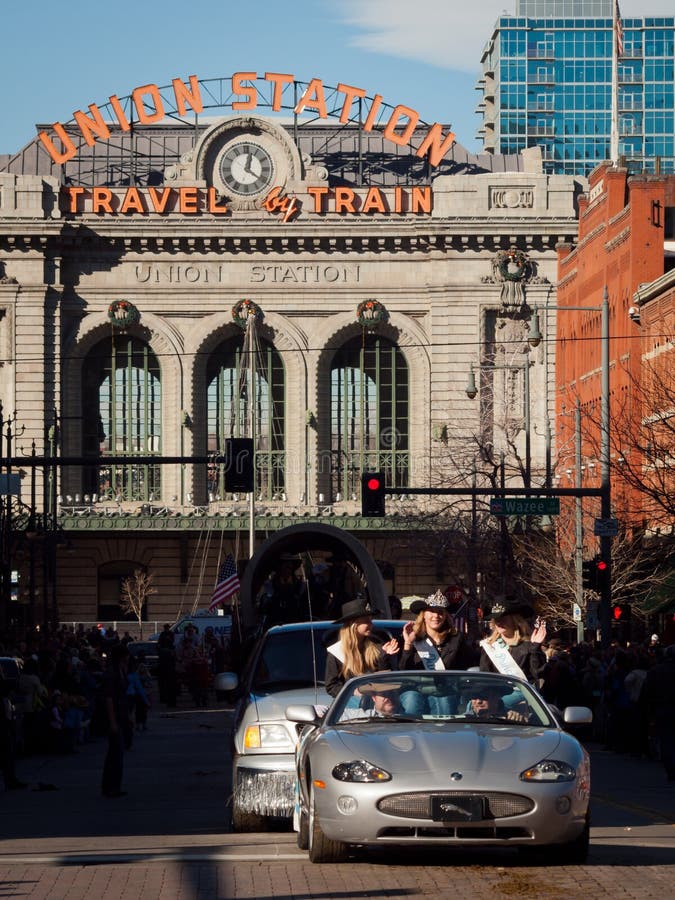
x=417 y=805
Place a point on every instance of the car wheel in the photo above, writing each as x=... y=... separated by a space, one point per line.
x=321 y=848
x=244 y=821
x=303 y=831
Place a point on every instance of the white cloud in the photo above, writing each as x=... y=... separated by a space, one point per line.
x=449 y=34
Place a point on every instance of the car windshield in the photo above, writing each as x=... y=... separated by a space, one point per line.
x=459 y=697
x=296 y=657
x=291 y=658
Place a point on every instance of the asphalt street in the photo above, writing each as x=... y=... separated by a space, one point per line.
x=169 y=837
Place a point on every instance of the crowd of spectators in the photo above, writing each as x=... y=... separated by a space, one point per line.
x=56 y=700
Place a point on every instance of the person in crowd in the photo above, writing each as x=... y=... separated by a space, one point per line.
x=167 y=675
x=138 y=700
x=8 y=738
x=355 y=652
x=117 y=709
x=513 y=646
x=432 y=642
x=285 y=597
x=395 y=606
x=658 y=696
x=344 y=584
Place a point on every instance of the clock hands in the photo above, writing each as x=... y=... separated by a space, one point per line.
x=247 y=164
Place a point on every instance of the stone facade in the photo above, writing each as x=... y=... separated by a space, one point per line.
x=437 y=271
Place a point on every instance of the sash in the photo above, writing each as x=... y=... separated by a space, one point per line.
x=427 y=652
x=501 y=659
x=337 y=651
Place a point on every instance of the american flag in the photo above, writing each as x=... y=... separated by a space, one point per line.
x=227 y=584
x=618 y=29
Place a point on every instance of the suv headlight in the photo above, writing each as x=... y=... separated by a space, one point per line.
x=549 y=770
x=360 y=770
x=267 y=737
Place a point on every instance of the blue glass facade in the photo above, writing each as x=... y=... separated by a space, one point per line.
x=547 y=81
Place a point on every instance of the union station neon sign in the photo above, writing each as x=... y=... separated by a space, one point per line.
x=149 y=108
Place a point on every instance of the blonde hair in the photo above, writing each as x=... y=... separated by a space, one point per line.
x=359 y=657
x=521 y=631
x=420 y=627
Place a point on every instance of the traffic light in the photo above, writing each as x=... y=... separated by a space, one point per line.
x=372 y=494
x=589 y=575
x=621 y=612
x=601 y=573
x=239 y=462
x=594 y=573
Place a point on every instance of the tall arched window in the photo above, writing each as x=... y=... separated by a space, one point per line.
x=231 y=383
x=369 y=414
x=122 y=416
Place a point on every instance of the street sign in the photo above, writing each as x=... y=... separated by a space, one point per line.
x=576 y=612
x=606 y=527
x=525 y=506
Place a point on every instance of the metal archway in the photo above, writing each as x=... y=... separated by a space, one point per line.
x=301 y=538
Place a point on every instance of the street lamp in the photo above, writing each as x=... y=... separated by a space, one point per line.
x=534 y=339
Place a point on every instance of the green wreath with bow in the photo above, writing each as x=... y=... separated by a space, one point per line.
x=512 y=257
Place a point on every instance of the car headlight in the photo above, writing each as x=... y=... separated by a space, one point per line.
x=549 y=770
x=360 y=770
x=258 y=737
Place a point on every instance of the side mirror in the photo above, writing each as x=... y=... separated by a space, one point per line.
x=303 y=715
x=577 y=715
x=225 y=682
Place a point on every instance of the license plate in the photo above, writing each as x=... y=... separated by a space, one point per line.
x=456 y=809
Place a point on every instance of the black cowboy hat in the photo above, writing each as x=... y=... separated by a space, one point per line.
x=356 y=609
x=509 y=606
x=474 y=688
x=437 y=602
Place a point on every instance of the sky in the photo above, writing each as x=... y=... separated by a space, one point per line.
x=425 y=54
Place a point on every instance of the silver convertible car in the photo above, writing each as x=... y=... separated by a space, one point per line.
x=436 y=757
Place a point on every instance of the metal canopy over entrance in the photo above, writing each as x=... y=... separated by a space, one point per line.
x=302 y=538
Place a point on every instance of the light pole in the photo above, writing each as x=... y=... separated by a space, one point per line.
x=534 y=340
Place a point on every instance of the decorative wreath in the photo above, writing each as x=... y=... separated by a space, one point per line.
x=512 y=257
x=121 y=314
x=370 y=313
x=245 y=308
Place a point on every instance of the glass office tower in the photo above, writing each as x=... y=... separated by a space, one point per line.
x=547 y=81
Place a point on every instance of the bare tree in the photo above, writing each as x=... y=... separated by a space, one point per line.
x=549 y=574
x=135 y=592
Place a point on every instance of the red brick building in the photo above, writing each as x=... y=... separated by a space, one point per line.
x=626 y=245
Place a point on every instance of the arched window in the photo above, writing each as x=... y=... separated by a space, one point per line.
x=122 y=416
x=231 y=383
x=369 y=414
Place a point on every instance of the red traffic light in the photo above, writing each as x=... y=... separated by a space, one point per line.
x=617 y=612
x=373 y=484
x=602 y=565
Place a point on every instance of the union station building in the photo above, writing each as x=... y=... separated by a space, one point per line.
x=263 y=257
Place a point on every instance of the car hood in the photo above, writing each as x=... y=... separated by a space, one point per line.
x=272 y=704
x=431 y=749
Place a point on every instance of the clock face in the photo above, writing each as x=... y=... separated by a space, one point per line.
x=246 y=168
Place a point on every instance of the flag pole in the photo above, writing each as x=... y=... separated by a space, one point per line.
x=614 y=126
x=251 y=347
